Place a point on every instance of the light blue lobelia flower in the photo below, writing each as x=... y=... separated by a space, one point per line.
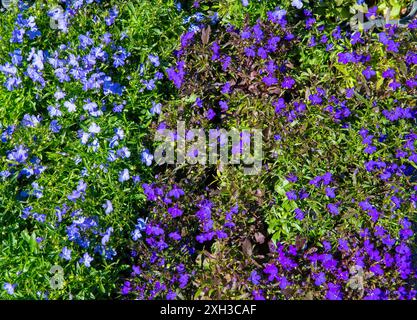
x=9 y=288
x=65 y=253
x=297 y=3
x=147 y=157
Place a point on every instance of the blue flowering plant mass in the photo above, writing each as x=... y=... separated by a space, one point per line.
x=89 y=211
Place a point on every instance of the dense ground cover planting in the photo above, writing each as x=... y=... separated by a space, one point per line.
x=75 y=107
x=330 y=214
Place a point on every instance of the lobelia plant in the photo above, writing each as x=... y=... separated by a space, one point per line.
x=87 y=211
x=71 y=142
x=333 y=204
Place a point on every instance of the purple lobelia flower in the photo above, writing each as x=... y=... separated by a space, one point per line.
x=287 y=83
x=175 y=212
x=333 y=209
x=254 y=277
x=86 y=260
x=269 y=80
x=291 y=195
x=333 y=292
x=372 y=12
x=299 y=214
x=176 y=74
x=272 y=271
x=210 y=114
x=368 y=73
